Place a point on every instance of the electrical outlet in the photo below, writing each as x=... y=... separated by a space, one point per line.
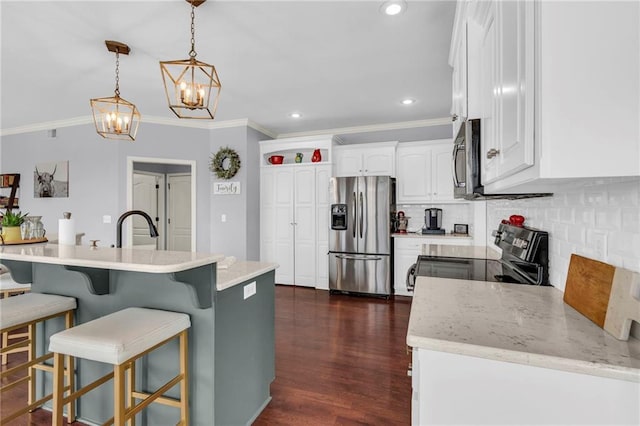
x=223 y=218
x=106 y=219
x=249 y=290
x=600 y=245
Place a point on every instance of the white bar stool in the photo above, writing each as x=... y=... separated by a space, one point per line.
x=27 y=310
x=120 y=339
x=9 y=287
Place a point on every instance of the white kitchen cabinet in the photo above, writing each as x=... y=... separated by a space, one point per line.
x=507 y=71
x=458 y=61
x=378 y=159
x=496 y=392
x=424 y=172
x=557 y=102
x=292 y=222
x=406 y=251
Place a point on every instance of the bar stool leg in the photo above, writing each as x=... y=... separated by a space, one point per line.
x=58 y=385
x=32 y=355
x=70 y=374
x=118 y=395
x=184 y=371
x=131 y=381
x=5 y=343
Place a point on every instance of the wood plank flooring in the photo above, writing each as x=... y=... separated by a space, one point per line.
x=340 y=360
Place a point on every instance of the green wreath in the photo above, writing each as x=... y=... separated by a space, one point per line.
x=221 y=167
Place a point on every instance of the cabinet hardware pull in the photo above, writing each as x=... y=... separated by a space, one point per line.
x=492 y=153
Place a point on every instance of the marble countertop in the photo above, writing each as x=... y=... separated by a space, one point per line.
x=521 y=324
x=109 y=258
x=470 y=252
x=240 y=272
x=421 y=235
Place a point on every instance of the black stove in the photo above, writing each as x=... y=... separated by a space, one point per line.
x=524 y=260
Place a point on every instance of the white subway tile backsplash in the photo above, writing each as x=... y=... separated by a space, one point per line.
x=631 y=219
x=576 y=235
x=609 y=218
x=599 y=219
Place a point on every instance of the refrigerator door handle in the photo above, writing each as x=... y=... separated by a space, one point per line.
x=354 y=214
x=361 y=213
x=347 y=257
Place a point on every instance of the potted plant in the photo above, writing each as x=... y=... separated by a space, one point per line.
x=11 y=226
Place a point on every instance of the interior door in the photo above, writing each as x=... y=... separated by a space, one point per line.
x=305 y=227
x=179 y=212
x=146 y=197
x=284 y=225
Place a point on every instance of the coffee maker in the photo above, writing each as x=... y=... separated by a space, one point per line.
x=432 y=221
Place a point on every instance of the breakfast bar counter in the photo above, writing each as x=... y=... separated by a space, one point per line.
x=231 y=339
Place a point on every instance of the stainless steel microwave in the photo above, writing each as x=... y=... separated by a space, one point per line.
x=467 y=166
x=466 y=161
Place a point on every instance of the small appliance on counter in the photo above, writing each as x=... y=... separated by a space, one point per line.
x=432 y=221
x=403 y=222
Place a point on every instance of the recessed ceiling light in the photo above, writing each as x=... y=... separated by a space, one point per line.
x=408 y=101
x=295 y=115
x=393 y=7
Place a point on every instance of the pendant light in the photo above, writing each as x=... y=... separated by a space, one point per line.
x=115 y=117
x=192 y=87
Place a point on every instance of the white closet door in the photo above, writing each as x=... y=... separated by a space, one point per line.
x=305 y=227
x=284 y=225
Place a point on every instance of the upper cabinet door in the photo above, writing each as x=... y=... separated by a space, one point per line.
x=515 y=86
x=348 y=162
x=506 y=88
x=441 y=172
x=365 y=160
x=424 y=173
x=414 y=174
x=379 y=161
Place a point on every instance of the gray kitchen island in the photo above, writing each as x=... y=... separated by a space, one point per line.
x=231 y=340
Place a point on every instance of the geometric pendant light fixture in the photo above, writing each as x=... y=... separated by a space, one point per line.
x=115 y=117
x=192 y=87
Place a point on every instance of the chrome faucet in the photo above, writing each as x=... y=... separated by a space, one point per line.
x=153 y=232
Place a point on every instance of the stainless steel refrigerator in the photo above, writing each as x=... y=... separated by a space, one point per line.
x=360 y=234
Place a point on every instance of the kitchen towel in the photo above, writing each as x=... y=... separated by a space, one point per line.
x=67 y=232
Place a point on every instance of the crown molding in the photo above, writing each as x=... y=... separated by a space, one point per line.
x=165 y=121
x=206 y=124
x=372 y=128
x=47 y=125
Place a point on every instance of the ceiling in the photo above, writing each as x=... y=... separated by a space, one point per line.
x=342 y=64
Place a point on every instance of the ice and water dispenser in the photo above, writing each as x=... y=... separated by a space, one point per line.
x=339 y=217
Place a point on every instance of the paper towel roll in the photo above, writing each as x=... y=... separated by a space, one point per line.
x=67 y=232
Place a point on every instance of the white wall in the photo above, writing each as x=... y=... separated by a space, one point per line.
x=97 y=179
x=599 y=219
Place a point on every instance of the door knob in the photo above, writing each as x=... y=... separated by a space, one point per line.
x=492 y=153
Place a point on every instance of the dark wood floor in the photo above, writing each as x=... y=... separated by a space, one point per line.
x=340 y=360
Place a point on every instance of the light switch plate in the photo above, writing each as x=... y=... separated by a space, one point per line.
x=249 y=290
x=106 y=219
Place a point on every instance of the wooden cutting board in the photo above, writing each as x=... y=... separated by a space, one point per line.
x=588 y=287
x=608 y=296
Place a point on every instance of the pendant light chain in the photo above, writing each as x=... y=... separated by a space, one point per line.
x=192 y=54
x=117 y=91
